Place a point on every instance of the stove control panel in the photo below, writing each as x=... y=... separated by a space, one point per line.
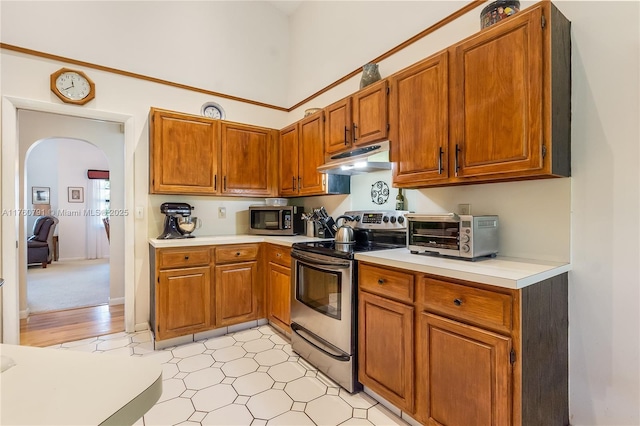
x=378 y=219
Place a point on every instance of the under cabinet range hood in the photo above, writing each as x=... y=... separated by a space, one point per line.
x=367 y=159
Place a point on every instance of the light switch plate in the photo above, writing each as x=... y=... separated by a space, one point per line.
x=222 y=212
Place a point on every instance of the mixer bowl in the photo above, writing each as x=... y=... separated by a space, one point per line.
x=188 y=224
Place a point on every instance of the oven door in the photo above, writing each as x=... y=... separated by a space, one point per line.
x=322 y=298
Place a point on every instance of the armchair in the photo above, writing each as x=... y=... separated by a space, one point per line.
x=40 y=244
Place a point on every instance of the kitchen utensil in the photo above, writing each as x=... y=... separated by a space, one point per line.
x=329 y=226
x=345 y=232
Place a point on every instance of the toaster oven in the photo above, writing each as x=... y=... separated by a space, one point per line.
x=459 y=236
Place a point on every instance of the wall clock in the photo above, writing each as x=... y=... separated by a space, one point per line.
x=379 y=192
x=212 y=110
x=72 y=86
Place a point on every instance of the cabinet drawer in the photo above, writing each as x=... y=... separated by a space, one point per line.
x=482 y=307
x=280 y=255
x=236 y=253
x=386 y=282
x=183 y=257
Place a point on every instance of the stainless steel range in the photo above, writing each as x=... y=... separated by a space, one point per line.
x=324 y=291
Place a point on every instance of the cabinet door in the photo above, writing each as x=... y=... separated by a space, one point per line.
x=385 y=339
x=184 y=153
x=419 y=119
x=311 y=155
x=289 y=161
x=236 y=293
x=464 y=373
x=496 y=99
x=370 y=115
x=279 y=296
x=338 y=130
x=183 y=301
x=248 y=166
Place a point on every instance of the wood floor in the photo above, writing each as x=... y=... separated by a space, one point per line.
x=51 y=328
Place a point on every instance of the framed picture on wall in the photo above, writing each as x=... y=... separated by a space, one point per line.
x=39 y=195
x=76 y=194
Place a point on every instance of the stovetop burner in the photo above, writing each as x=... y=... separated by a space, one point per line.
x=373 y=230
x=341 y=250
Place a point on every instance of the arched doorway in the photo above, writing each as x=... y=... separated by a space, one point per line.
x=13 y=226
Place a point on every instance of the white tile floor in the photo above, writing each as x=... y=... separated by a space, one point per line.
x=250 y=377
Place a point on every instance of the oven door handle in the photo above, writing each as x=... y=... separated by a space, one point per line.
x=340 y=356
x=316 y=262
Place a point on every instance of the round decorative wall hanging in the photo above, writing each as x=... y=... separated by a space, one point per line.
x=379 y=192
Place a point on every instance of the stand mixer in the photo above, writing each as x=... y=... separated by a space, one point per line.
x=178 y=222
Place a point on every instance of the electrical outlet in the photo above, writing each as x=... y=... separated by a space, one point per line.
x=222 y=212
x=464 y=208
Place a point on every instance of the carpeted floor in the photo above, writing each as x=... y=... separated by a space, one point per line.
x=67 y=285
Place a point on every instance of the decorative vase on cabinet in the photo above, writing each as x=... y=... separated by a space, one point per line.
x=370 y=74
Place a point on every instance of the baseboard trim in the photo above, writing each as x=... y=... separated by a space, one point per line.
x=116 y=301
x=142 y=326
x=25 y=314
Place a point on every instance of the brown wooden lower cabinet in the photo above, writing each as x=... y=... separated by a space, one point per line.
x=461 y=353
x=278 y=281
x=178 y=289
x=236 y=293
x=195 y=289
x=385 y=339
x=468 y=376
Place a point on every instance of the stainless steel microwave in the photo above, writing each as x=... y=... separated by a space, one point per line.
x=461 y=236
x=275 y=220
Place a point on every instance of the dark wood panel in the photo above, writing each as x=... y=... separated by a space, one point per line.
x=545 y=352
x=561 y=88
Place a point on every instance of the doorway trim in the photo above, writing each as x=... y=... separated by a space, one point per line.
x=9 y=225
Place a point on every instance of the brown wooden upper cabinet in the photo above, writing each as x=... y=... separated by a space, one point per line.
x=184 y=151
x=496 y=106
x=419 y=116
x=248 y=160
x=201 y=156
x=301 y=152
x=359 y=119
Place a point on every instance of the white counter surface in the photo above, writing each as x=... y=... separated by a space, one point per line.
x=501 y=271
x=231 y=239
x=48 y=386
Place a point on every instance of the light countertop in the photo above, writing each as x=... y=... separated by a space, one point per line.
x=45 y=386
x=500 y=271
x=231 y=239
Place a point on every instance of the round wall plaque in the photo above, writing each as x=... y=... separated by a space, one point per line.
x=379 y=192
